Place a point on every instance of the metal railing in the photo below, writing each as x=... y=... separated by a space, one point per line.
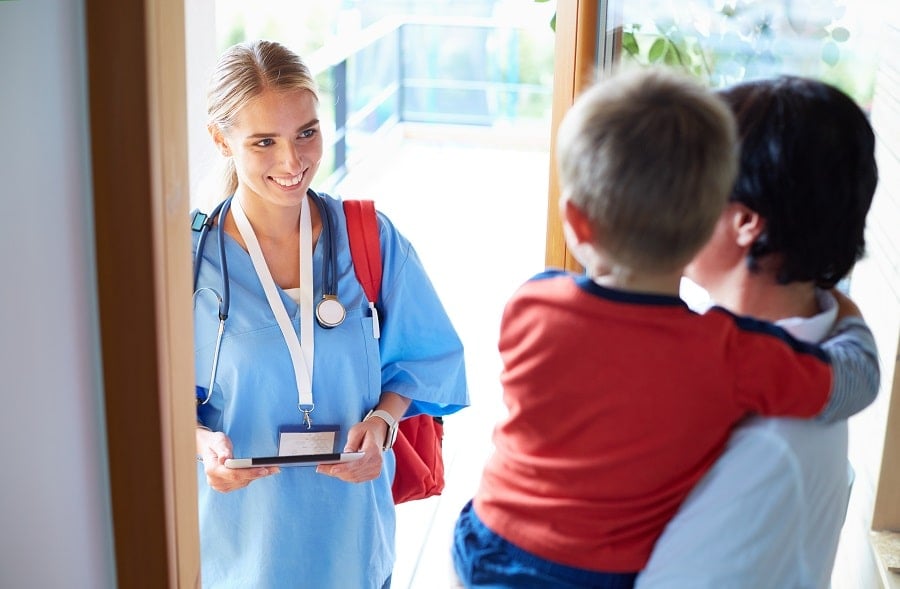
x=457 y=71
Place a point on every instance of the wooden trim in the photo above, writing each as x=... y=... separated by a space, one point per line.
x=885 y=534
x=886 y=546
x=136 y=97
x=886 y=513
x=126 y=288
x=170 y=201
x=576 y=59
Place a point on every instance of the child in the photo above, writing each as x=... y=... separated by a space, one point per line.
x=620 y=397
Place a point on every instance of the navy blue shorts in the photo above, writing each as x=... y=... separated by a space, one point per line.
x=484 y=559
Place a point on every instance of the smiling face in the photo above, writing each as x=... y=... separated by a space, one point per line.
x=276 y=146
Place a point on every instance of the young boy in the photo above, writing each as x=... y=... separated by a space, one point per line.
x=620 y=397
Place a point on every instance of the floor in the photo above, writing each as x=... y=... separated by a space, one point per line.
x=477 y=217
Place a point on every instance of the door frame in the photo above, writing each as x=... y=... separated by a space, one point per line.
x=139 y=154
x=138 y=122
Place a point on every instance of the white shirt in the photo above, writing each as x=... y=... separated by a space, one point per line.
x=769 y=513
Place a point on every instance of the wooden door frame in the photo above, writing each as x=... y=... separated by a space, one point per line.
x=138 y=128
x=577 y=34
x=138 y=125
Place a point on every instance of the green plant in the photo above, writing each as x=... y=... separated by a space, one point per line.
x=743 y=39
x=726 y=41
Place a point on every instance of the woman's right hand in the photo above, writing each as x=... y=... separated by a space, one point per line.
x=214 y=448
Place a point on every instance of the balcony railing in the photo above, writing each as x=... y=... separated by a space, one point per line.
x=458 y=71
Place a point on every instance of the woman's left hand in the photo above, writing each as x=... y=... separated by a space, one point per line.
x=365 y=436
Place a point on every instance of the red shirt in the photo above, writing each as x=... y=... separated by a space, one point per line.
x=618 y=404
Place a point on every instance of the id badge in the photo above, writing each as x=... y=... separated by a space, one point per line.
x=300 y=440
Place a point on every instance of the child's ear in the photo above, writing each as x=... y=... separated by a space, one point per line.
x=219 y=139
x=580 y=226
x=746 y=223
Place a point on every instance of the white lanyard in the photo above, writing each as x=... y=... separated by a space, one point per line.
x=301 y=357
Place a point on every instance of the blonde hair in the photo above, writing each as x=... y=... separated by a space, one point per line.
x=244 y=72
x=650 y=157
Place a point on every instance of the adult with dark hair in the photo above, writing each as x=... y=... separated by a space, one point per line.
x=304 y=365
x=769 y=513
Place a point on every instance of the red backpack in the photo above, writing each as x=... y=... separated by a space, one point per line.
x=418 y=448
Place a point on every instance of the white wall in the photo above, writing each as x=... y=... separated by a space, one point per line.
x=55 y=523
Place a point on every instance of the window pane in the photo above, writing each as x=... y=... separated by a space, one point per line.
x=725 y=42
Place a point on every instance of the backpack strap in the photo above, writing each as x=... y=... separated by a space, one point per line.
x=419 y=454
x=365 y=251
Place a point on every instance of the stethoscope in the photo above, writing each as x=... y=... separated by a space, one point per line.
x=329 y=311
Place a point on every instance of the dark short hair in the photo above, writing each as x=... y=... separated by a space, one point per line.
x=808 y=168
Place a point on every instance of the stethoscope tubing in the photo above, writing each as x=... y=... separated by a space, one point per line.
x=329 y=272
x=220 y=332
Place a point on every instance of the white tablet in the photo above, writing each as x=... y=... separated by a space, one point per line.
x=298 y=460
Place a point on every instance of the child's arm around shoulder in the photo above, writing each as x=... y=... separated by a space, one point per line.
x=846 y=307
x=854 y=362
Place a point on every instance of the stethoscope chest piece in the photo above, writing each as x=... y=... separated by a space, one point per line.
x=330 y=312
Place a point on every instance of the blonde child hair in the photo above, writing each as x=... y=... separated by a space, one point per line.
x=650 y=157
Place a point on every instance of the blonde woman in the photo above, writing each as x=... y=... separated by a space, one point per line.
x=291 y=373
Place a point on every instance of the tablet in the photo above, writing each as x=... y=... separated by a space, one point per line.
x=298 y=460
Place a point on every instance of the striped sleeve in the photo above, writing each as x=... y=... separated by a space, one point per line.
x=856 y=373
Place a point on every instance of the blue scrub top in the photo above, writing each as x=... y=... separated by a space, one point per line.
x=299 y=528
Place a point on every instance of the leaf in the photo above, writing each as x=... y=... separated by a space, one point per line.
x=657 y=50
x=671 y=57
x=553 y=22
x=630 y=44
x=831 y=54
x=840 y=34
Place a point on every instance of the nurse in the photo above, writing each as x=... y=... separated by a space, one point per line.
x=284 y=381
